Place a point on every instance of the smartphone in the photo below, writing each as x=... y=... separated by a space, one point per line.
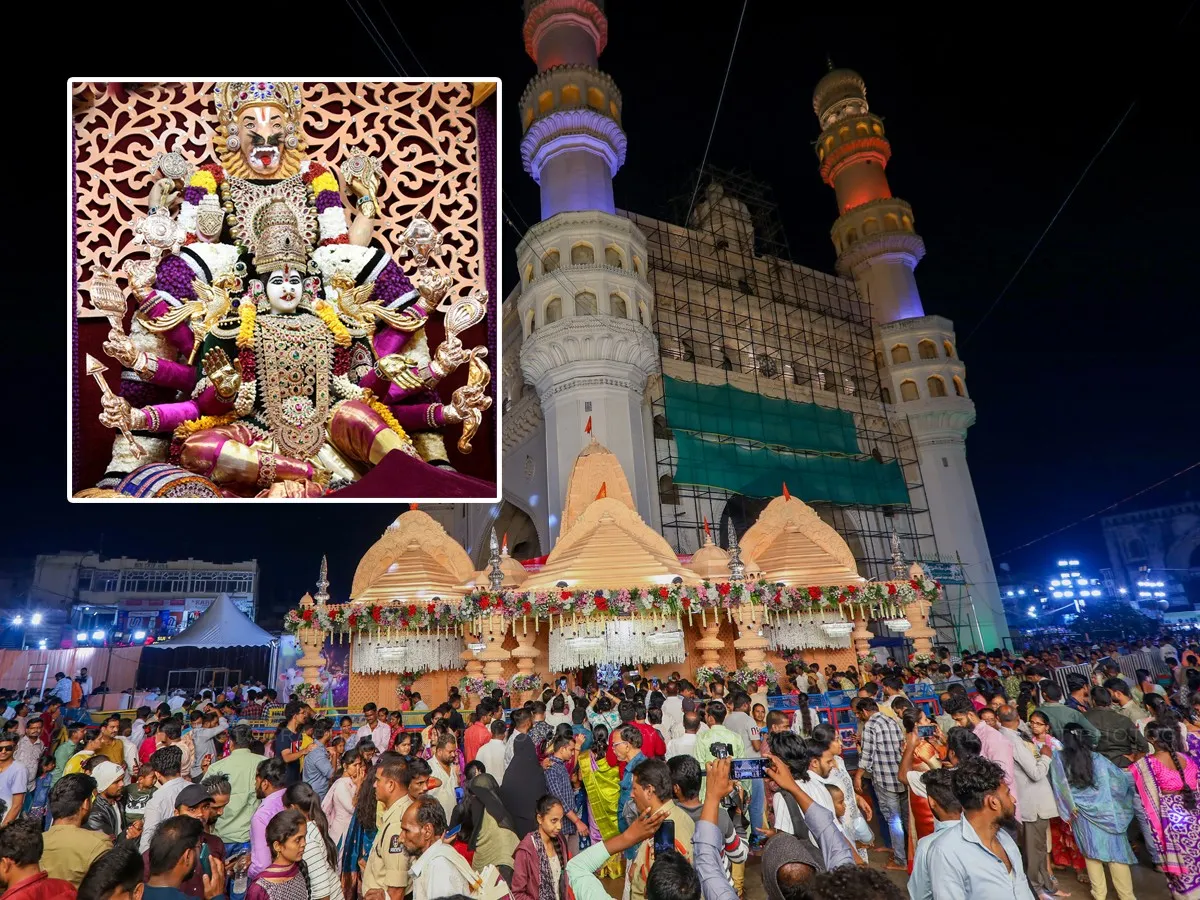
x=562 y=682
x=720 y=750
x=452 y=833
x=205 y=865
x=664 y=838
x=755 y=767
x=458 y=794
x=926 y=731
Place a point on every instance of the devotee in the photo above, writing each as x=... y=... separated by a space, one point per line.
x=106 y=815
x=653 y=791
x=283 y=877
x=28 y=752
x=320 y=855
x=947 y=811
x=522 y=722
x=492 y=753
x=479 y=732
x=1120 y=742
x=69 y=848
x=994 y=746
x=1167 y=784
x=397 y=787
x=743 y=725
x=717 y=733
x=318 y=767
x=487 y=827
x=240 y=768
x=436 y=868
x=686 y=742
x=14 y=778
x=1123 y=702
x=539 y=867
x=1096 y=798
x=195 y=802
x=444 y=766
x=1031 y=768
x=561 y=752
x=686 y=778
x=1060 y=715
x=524 y=783
x=379 y=732
x=21 y=878
x=270 y=781
x=880 y=755
x=166 y=763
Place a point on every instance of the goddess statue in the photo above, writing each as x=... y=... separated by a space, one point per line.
x=323 y=368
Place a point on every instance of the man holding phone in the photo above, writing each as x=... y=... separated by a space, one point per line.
x=195 y=802
x=653 y=791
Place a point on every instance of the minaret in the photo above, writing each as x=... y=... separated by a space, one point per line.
x=584 y=302
x=922 y=375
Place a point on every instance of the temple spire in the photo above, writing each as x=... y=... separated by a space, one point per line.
x=323 y=582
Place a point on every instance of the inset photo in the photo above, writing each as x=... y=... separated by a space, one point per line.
x=283 y=290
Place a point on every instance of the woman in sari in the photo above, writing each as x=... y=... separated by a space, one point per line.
x=1097 y=799
x=602 y=783
x=524 y=784
x=487 y=827
x=360 y=835
x=1166 y=781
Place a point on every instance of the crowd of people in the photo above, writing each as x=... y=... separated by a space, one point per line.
x=643 y=789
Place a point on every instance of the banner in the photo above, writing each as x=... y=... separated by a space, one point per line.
x=946 y=573
x=334 y=674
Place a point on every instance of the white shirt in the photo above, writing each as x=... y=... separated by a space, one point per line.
x=137 y=733
x=159 y=808
x=379 y=735
x=444 y=792
x=87 y=686
x=672 y=710
x=684 y=745
x=176 y=704
x=439 y=873
x=491 y=755
x=1166 y=651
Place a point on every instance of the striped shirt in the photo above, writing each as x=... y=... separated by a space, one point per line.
x=882 y=747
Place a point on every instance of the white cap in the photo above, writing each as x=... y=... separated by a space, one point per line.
x=106 y=773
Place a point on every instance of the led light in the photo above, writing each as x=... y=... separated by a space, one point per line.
x=1011 y=594
x=36 y=619
x=1073 y=562
x=1064 y=575
x=1081 y=581
x=1020 y=593
x=837 y=629
x=1055 y=583
x=1063 y=562
x=1068 y=594
x=1160 y=593
x=139 y=635
x=1074 y=574
x=1143 y=593
x=82 y=636
x=18 y=620
x=42 y=644
x=1122 y=591
x=97 y=635
x=1058 y=595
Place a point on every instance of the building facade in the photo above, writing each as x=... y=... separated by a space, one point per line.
x=86 y=594
x=713 y=366
x=1155 y=555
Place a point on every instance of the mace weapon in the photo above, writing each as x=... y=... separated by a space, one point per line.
x=96 y=369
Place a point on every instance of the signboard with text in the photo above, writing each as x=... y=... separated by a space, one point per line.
x=946 y=573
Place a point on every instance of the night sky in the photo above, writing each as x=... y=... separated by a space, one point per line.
x=1084 y=375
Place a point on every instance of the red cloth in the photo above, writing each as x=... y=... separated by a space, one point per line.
x=40 y=887
x=47 y=728
x=401 y=475
x=652 y=743
x=147 y=748
x=473 y=739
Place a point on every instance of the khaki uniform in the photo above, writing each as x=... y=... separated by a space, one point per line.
x=387 y=863
x=68 y=851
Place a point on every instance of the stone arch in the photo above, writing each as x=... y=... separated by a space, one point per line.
x=524 y=542
x=960 y=389
x=927 y=349
x=595 y=98
x=637 y=265
x=530 y=323
x=936 y=385
x=891 y=222
x=617 y=306
x=862 y=130
x=906 y=223
x=582 y=254
x=569 y=95
x=553 y=311
x=545 y=101
x=585 y=304
x=870 y=226
x=901 y=354
x=908 y=390
x=668 y=492
x=614 y=257
x=529 y=273
x=887 y=395
x=643 y=313
x=949 y=348
x=851 y=237
x=550 y=261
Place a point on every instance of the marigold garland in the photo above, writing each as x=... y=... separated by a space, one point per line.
x=324 y=182
x=248 y=314
x=204 y=423
x=326 y=314
x=385 y=414
x=204 y=179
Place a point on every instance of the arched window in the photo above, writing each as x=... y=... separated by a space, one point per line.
x=585 y=304
x=637 y=266
x=906 y=223
x=900 y=354
x=546 y=101
x=582 y=255
x=528 y=117
x=936 y=385
x=726 y=361
x=887 y=396
x=614 y=112
x=688 y=353
x=617 y=306
x=829 y=380
x=849 y=385
x=959 y=388
x=949 y=348
x=596 y=98
x=862 y=130
x=553 y=310
x=612 y=257
x=908 y=390
x=891 y=222
x=550 y=261
x=851 y=237
x=927 y=349
x=668 y=493
x=529 y=273
x=569 y=95
x=870 y=226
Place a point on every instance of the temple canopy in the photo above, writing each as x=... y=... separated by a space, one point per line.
x=221 y=625
x=414 y=560
x=792 y=544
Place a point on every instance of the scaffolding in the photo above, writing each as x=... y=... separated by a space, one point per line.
x=732 y=308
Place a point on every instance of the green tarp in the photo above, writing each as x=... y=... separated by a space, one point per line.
x=761 y=472
x=725 y=410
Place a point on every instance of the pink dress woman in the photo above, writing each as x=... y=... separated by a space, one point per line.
x=1169 y=798
x=338 y=807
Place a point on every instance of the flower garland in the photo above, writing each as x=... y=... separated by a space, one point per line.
x=520 y=684
x=866 y=661
x=751 y=680
x=191 y=426
x=327 y=198
x=353 y=617
x=325 y=312
x=921 y=658
x=306 y=693
x=384 y=413
x=707 y=674
x=247 y=316
x=702 y=600
x=405 y=681
x=481 y=687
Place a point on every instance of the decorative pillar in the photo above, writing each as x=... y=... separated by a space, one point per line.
x=861 y=637
x=311 y=640
x=920 y=634
x=750 y=642
x=494 y=655
x=710 y=645
x=470 y=658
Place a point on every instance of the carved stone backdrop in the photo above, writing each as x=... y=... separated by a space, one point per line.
x=424 y=135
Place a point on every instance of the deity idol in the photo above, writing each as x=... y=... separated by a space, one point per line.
x=291 y=392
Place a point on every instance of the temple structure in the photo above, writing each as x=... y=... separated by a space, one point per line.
x=611 y=591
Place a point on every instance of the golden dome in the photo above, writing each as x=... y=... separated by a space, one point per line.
x=414 y=561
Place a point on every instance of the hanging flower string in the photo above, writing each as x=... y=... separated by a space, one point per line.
x=708 y=674
x=751 y=679
x=676 y=601
x=405 y=682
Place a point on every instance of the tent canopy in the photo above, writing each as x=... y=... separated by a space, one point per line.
x=221 y=625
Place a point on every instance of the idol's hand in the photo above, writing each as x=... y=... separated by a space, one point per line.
x=120 y=348
x=163 y=193
x=449 y=356
x=115 y=412
x=225 y=376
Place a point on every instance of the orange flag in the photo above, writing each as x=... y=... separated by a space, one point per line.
x=603 y=492
x=707 y=530
x=412 y=506
x=587 y=429
x=786 y=493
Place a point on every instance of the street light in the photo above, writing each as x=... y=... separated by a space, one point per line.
x=82 y=636
x=18 y=620
x=97 y=635
x=36 y=619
